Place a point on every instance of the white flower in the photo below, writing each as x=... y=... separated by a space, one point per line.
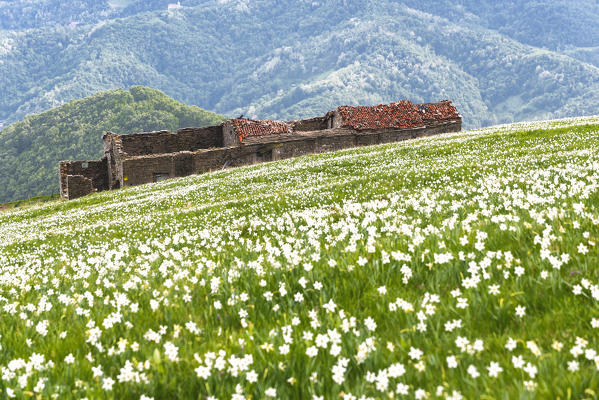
x=339 y=370
x=520 y=311
x=557 y=346
x=420 y=394
x=382 y=290
x=518 y=361
x=97 y=371
x=202 y=372
x=322 y=340
x=494 y=289
x=192 y=327
x=170 y=350
x=370 y=324
x=511 y=344
x=154 y=304
x=69 y=359
x=284 y=349
x=462 y=302
x=473 y=372
x=251 y=376
x=452 y=362
x=42 y=327
x=312 y=351
x=330 y=306
x=402 y=388
x=494 y=369
x=271 y=392
x=415 y=354
x=531 y=370
x=530 y=385
x=107 y=383
x=573 y=366
x=396 y=370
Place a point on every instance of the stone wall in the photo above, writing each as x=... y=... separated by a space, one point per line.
x=295 y=148
x=112 y=152
x=96 y=172
x=434 y=127
x=163 y=142
x=230 y=138
x=311 y=124
x=146 y=169
x=78 y=186
x=217 y=159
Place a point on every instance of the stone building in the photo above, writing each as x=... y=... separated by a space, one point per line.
x=141 y=158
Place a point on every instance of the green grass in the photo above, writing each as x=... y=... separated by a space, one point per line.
x=411 y=236
x=30 y=202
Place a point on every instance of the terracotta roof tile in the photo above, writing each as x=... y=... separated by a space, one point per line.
x=402 y=114
x=438 y=111
x=248 y=127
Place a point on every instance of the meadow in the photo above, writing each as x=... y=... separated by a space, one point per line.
x=459 y=266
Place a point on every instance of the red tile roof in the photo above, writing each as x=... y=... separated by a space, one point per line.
x=438 y=111
x=402 y=114
x=248 y=127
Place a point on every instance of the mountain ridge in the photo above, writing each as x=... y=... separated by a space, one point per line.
x=288 y=60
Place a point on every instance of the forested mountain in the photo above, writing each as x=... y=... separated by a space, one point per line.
x=499 y=61
x=30 y=150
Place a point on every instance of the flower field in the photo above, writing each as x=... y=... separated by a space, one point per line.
x=459 y=266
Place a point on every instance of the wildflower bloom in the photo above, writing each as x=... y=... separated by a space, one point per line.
x=286 y=276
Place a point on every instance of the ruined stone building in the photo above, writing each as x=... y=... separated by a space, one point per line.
x=136 y=159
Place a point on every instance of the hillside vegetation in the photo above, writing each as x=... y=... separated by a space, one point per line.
x=458 y=266
x=498 y=61
x=30 y=150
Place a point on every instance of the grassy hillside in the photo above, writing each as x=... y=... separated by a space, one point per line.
x=30 y=150
x=462 y=265
x=498 y=61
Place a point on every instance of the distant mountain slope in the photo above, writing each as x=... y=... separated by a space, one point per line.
x=30 y=150
x=499 y=61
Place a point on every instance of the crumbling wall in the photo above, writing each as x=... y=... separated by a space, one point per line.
x=146 y=143
x=183 y=163
x=164 y=142
x=434 y=127
x=78 y=186
x=295 y=148
x=326 y=144
x=112 y=152
x=217 y=159
x=96 y=172
x=144 y=158
x=147 y=169
x=192 y=139
x=230 y=138
x=390 y=136
x=311 y=124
